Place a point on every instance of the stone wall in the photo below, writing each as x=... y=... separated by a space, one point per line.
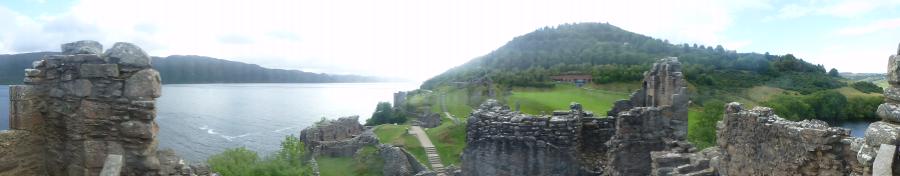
x=336 y=137
x=504 y=142
x=757 y=142
x=86 y=104
x=21 y=154
x=653 y=119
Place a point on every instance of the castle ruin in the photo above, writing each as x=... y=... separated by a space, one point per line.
x=87 y=112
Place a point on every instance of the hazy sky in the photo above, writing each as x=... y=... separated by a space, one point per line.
x=417 y=39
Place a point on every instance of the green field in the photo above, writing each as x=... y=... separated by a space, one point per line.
x=397 y=135
x=456 y=101
x=545 y=101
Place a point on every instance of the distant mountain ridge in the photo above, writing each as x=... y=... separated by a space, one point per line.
x=189 y=69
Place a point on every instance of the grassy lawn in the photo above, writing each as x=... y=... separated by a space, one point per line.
x=544 y=101
x=882 y=83
x=694 y=136
x=449 y=139
x=335 y=166
x=367 y=163
x=396 y=135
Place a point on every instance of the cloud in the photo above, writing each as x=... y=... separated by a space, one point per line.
x=398 y=38
x=833 y=8
x=876 y=26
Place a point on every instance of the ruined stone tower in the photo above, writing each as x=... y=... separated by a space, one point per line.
x=84 y=110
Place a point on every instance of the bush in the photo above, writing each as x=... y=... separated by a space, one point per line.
x=867 y=87
x=241 y=162
x=702 y=132
x=790 y=107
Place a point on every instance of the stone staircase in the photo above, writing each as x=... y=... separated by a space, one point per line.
x=667 y=163
x=435 y=160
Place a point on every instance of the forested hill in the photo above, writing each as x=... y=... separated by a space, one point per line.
x=193 y=69
x=612 y=54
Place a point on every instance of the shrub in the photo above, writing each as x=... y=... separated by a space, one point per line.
x=241 y=161
x=867 y=87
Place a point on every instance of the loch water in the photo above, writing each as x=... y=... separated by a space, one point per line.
x=200 y=120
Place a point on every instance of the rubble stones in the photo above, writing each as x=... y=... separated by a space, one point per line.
x=82 y=47
x=128 y=54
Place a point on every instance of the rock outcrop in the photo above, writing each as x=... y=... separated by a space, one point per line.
x=78 y=108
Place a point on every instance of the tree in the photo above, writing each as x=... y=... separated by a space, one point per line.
x=384 y=114
x=867 y=87
x=827 y=105
x=834 y=73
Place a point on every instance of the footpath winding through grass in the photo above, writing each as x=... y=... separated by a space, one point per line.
x=397 y=135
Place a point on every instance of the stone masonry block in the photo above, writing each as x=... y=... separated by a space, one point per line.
x=98 y=70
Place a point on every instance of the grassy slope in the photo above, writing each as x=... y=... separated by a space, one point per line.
x=851 y=92
x=544 y=101
x=882 y=83
x=396 y=135
x=449 y=139
x=366 y=163
x=335 y=166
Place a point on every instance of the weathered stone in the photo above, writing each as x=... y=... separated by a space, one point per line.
x=32 y=72
x=889 y=112
x=24 y=92
x=757 y=142
x=882 y=133
x=128 y=54
x=398 y=161
x=428 y=120
x=38 y=64
x=143 y=85
x=893 y=72
x=892 y=94
x=884 y=160
x=82 y=47
x=98 y=70
x=112 y=166
x=136 y=129
x=72 y=106
x=331 y=130
x=78 y=88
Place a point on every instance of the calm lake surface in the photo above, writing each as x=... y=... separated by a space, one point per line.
x=199 y=120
